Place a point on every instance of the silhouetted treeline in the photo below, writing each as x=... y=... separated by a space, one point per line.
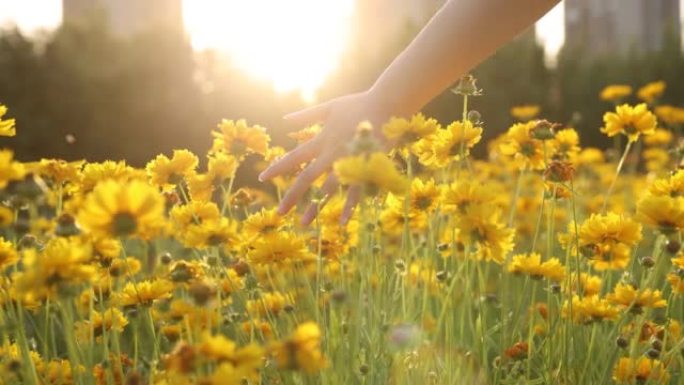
x=134 y=98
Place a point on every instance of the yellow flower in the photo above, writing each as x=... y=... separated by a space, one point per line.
x=199 y=224
x=588 y=284
x=408 y=131
x=463 y=193
x=231 y=283
x=531 y=264
x=589 y=308
x=672 y=186
x=566 y=144
x=62 y=263
x=222 y=232
x=143 y=293
x=443 y=147
x=279 y=249
x=8 y=254
x=123 y=209
x=481 y=227
x=663 y=212
x=6 y=216
x=184 y=271
x=7 y=126
x=306 y=134
x=677 y=282
x=424 y=195
x=525 y=112
x=9 y=169
x=245 y=361
x=167 y=173
x=194 y=213
x=591 y=156
x=269 y=304
x=605 y=239
x=615 y=93
x=111 y=319
x=670 y=114
x=221 y=167
x=231 y=374
x=59 y=171
x=301 y=351
x=421 y=275
x=257 y=326
x=630 y=121
x=526 y=150
x=262 y=223
x=374 y=171
x=627 y=296
x=94 y=173
x=394 y=217
x=237 y=138
x=651 y=91
x=656 y=159
x=661 y=137
x=628 y=371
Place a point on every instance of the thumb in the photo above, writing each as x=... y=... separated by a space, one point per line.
x=309 y=116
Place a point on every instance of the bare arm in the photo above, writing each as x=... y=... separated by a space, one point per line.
x=458 y=37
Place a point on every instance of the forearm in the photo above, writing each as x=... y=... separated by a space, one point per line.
x=462 y=34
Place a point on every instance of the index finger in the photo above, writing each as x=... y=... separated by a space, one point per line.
x=304 y=181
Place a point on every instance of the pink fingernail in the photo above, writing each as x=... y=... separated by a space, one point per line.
x=281 y=210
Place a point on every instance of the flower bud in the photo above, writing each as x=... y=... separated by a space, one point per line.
x=474 y=117
x=543 y=130
x=622 y=342
x=559 y=171
x=647 y=261
x=66 y=226
x=400 y=265
x=201 y=292
x=672 y=246
x=339 y=296
x=28 y=241
x=657 y=344
x=467 y=87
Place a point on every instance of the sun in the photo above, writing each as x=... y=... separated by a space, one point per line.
x=295 y=44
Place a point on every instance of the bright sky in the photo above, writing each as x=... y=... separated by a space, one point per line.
x=319 y=27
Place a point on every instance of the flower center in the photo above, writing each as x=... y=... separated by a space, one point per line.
x=124 y=224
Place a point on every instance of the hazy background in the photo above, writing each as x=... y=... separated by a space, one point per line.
x=129 y=79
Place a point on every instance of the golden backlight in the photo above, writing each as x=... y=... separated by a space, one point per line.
x=295 y=44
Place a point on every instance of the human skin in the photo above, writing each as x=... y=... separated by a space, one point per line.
x=459 y=36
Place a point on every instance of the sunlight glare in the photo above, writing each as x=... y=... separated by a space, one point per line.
x=295 y=44
x=551 y=32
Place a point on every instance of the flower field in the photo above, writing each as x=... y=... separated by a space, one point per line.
x=546 y=262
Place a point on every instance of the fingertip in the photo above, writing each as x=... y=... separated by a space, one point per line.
x=283 y=208
x=306 y=220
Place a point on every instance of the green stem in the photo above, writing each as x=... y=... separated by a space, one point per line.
x=617 y=173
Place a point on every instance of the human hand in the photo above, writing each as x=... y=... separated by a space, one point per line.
x=340 y=118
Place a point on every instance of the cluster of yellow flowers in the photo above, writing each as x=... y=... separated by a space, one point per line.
x=176 y=273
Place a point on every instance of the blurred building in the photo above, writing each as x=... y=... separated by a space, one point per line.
x=603 y=26
x=127 y=17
